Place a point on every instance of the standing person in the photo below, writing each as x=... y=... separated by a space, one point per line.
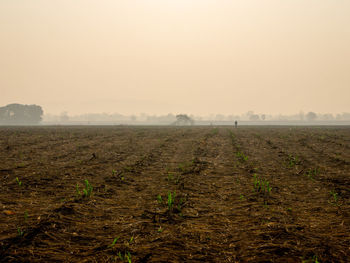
x=236 y=124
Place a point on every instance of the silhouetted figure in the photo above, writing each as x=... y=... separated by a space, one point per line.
x=236 y=124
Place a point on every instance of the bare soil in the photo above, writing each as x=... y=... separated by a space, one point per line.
x=300 y=211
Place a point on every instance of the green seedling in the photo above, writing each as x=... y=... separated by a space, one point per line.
x=261 y=185
x=293 y=161
x=131 y=240
x=241 y=157
x=160 y=229
x=171 y=200
x=173 y=204
x=159 y=199
x=128 y=257
x=335 y=196
x=88 y=189
x=77 y=191
x=311 y=173
x=20 y=233
x=313 y=260
x=241 y=197
x=18 y=182
x=114 y=242
x=120 y=256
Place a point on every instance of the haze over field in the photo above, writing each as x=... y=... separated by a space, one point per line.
x=171 y=56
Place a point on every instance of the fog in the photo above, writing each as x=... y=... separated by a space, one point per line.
x=199 y=57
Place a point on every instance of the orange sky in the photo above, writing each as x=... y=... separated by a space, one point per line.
x=190 y=56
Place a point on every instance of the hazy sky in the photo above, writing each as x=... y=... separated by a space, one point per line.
x=189 y=56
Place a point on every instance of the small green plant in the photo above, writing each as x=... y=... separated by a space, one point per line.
x=159 y=199
x=261 y=185
x=87 y=191
x=160 y=229
x=173 y=204
x=313 y=260
x=241 y=157
x=20 y=232
x=114 y=242
x=311 y=173
x=241 y=197
x=128 y=257
x=131 y=240
x=171 y=200
x=335 y=197
x=293 y=161
x=18 y=182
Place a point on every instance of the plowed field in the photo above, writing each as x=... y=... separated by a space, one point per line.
x=175 y=194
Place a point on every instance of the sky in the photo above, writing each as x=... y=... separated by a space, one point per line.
x=176 y=56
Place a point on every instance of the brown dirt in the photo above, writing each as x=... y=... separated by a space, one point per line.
x=217 y=215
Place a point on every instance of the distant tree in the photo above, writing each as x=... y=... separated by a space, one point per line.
x=326 y=117
x=254 y=117
x=20 y=114
x=183 y=119
x=263 y=117
x=311 y=116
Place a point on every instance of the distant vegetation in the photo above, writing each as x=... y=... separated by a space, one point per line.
x=183 y=119
x=188 y=119
x=20 y=114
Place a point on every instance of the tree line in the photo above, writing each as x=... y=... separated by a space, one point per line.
x=15 y=114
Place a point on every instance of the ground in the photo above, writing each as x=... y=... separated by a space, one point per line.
x=175 y=194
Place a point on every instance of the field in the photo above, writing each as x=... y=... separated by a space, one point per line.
x=175 y=194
